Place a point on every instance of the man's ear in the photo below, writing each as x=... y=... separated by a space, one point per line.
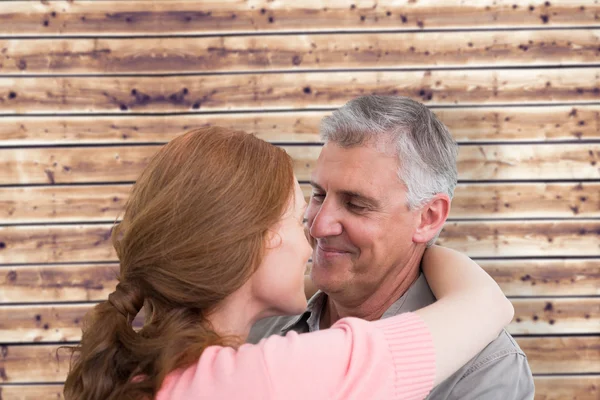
x=433 y=215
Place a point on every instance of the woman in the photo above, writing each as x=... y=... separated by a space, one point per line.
x=211 y=241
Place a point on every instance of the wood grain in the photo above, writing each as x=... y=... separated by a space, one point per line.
x=528 y=162
x=546 y=388
x=60 y=243
x=556 y=355
x=94 y=282
x=85 y=243
x=517 y=239
x=58 y=323
x=33 y=363
x=25 y=18
x=124 y=163
x=89 y=90
x=567 y=387
x=556 y=316
x=32 y=392
x=545 y=277
x=35 y=204
x=486 y=124
x=526 y=200
x=56 y=283
x=575 y=354
x=105 y=203
x=62 y=323
x=303 y=90
x=306 y=52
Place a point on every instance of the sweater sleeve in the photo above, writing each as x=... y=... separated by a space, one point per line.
x=387 y=359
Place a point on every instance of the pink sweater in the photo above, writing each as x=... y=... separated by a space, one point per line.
x=387 y=359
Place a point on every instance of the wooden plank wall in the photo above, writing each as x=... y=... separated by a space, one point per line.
x=90 y=89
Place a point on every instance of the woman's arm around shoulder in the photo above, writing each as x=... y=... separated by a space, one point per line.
x=355 y=359
x=470 y=312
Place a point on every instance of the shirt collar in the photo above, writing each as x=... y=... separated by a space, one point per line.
x=417 y=296
x=313 y=311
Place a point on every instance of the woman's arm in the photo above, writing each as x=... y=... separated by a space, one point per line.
x=401 y=357
x=470 y=312
x=390 y=359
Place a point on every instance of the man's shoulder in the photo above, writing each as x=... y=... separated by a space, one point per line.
x=269 y=326
x=504 y=345
x=501 y=363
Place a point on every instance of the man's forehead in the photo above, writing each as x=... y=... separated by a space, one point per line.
x=372 y=189
x=343 y=182
x=358 y=156
x=359 y=166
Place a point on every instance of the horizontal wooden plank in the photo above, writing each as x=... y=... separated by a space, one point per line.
x=312 y=52
x=32 y=392
x=104 y=203
x=58 y=323
x=566 y=355
x=552 y=316
x=37 y=244
x=567 y=387
x=556 y=355
x=546 y=388
x=55 y=283
x=84 y=243
x=94 y=282
x=41 y=363
x=520 y=239
x=125 y=163
x=244 y=92
x=25 y=18
x=486 y=124
x=567 y=161
x=545 y=277
x=525 y=200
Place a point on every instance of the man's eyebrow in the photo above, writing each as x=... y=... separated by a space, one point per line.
x=316 y=186
x=350 y=193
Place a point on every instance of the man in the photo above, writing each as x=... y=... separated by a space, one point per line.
x=382 y=189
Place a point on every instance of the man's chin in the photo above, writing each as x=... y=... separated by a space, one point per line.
x=328 y=277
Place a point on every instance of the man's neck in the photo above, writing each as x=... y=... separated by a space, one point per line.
x=374 y=305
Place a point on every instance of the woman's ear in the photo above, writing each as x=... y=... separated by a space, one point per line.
x=273 y=239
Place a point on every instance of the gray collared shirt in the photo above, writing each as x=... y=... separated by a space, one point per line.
x=499 y=372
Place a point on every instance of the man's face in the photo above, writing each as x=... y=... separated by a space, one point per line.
x=361 y=226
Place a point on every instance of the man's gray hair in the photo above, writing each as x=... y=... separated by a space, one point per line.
x=425 y=148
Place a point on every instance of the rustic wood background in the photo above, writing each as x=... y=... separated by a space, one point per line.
x=90 y=89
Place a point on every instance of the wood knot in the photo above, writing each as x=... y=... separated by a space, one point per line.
x=12 y=276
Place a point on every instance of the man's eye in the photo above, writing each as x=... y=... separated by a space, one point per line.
x=318 y=197
x=355 y=207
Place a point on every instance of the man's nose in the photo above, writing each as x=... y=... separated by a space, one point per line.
x=326 y=222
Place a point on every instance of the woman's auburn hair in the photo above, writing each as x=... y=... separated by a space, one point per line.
x=192 y=233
